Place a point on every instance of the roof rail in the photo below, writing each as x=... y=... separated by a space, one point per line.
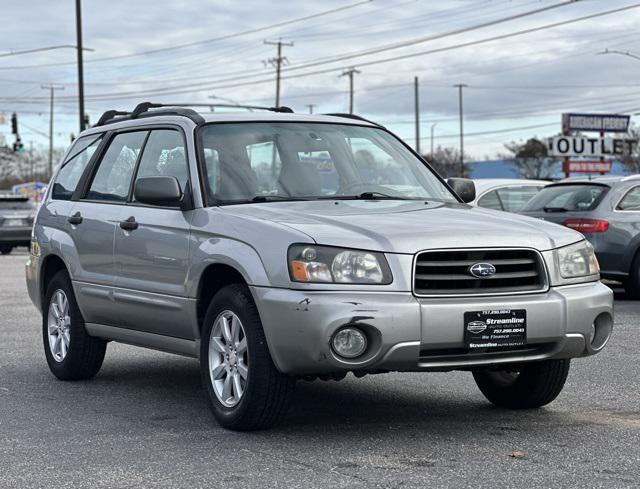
x=353 y=116
x=142 y=110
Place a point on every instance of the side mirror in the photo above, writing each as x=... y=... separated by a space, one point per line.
x=464 y=188
x=161 y=190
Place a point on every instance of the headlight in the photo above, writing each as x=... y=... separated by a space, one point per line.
x=326 y=264
x=577 y=260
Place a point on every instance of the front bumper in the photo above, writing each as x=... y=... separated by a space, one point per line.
x=417 y=334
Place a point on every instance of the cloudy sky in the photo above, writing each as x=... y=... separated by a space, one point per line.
x=524 y=61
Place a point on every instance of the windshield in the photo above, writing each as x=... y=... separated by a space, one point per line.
x=15 y=205
x=565 y=198
x=264 y=161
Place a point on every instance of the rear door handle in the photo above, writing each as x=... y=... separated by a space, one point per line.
x=75 y=219
x=130 y=224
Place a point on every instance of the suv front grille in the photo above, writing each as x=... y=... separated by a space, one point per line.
x=448 y=272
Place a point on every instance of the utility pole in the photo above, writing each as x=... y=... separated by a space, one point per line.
x=52 y=88
x=278 y=61
x=460 y=87
x=350 y=72
x=80 y=66
x=310 y=106
x=416 y=97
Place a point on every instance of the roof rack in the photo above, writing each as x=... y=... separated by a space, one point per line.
x=142 y=110
x=353 y=116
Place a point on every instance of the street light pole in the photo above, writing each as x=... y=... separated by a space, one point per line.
x=52 y=88
x=431 y=140
x=416 y=96
x=80 y=63
x=460 y=87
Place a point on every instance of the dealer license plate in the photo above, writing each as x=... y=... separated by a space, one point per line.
x=496 y=328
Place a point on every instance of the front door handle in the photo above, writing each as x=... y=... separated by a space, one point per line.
x=75 y=219
x=130 y=224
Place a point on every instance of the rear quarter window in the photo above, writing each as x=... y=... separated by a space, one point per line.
x=73 y=167
x=631 y=201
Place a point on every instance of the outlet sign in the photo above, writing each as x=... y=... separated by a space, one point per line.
x=567 y=146
x=595 y=122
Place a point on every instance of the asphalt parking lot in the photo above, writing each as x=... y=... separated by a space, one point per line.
x=143 y=422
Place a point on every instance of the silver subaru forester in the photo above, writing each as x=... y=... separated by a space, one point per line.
x=274 y=247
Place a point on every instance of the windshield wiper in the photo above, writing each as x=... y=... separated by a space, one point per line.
x=274 y=198
x=368 y=196
x=555 y=209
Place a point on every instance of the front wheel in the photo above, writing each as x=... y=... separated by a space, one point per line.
x=5 y=249
x=244 y=389
x=523 y=387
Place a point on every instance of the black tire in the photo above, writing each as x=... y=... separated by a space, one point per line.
x=5 y=249
x=85 y=353
x=535 y=385
x=267 y=392
x=632 y=284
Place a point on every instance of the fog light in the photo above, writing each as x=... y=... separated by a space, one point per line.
x=349 y=342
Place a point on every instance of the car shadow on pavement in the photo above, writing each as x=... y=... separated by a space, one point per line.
x=166 y=388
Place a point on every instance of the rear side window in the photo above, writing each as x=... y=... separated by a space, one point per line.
x=567 y=198
x=490 y=200
x=631 y=201
x=113 y=178
x=515 y=198
x=164 y=155
x=73 y=167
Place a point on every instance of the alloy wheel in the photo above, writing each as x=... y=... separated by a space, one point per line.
x=228 y=358
x=59 y=325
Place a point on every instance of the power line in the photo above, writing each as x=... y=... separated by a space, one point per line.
x=210 y=40
x=177 y=90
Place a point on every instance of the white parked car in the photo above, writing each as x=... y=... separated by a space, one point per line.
x=506 y=194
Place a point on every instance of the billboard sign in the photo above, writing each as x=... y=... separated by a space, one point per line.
x=567 y=146
x=589 y=166
x=595 y=122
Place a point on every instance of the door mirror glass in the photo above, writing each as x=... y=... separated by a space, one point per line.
x=158 y=190
x=464 y=188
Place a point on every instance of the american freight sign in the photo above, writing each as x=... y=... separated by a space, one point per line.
x=595 y=122
x=592 y=147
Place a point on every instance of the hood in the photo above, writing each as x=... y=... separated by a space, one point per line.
x=408 y=226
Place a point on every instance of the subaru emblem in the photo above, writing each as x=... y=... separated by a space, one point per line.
x=482 y=270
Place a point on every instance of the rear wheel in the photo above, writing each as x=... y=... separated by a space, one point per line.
x=71 y=353
x=5 y=249
x=523 y=387
x=243 y=386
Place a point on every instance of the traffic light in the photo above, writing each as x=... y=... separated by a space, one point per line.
x=14 y=123
x=18 y=147
x=86 y=121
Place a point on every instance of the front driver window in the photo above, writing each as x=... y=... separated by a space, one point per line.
x=164 y=155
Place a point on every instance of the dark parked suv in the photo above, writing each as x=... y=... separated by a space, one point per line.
x=16 y=218
x=607 y=211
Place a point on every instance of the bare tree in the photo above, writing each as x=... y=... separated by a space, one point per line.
x=531 y=159
x=631 y=159
x=446 y=161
